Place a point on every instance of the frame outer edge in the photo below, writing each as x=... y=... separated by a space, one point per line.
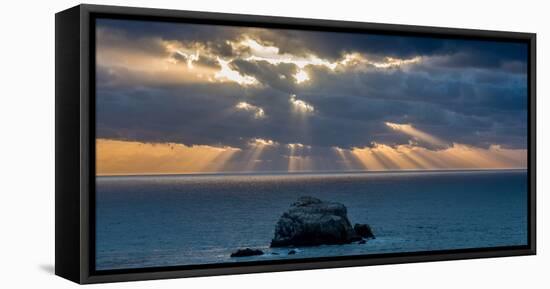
x=67 y=160
x=85 y=241
x=85 y=140
x=533 y=141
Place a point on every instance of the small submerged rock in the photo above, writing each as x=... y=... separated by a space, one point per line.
x=292 y=252
x=247 y=252
x=312 y=222
x=364 y=231
x=362 y=242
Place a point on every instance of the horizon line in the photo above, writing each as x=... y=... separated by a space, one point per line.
x=309 y=172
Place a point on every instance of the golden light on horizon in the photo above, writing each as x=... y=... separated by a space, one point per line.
x=116 y=157
x=457 y=156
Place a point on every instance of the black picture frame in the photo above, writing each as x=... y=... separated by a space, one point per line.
x=75 y=143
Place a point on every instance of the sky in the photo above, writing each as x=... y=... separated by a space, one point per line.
x=176 y=98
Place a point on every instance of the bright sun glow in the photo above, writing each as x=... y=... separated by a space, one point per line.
x=301 y=76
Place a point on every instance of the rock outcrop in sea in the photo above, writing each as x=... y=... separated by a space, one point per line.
x=312 y=222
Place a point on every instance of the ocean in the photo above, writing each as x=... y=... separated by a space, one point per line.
x=154 y=221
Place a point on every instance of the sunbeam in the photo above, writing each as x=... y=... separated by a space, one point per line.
x=408 y=129
x=296 y=160
x=255 y=151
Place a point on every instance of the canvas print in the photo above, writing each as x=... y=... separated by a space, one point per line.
x=231 y=144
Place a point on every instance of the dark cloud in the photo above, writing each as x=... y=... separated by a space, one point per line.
x=207 y=61
x=179 y=57
x=278 y=76
x=458 y=53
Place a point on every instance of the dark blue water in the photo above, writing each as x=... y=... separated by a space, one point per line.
x=181 y=220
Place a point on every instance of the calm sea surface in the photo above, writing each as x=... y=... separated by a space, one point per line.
x=153 y=221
